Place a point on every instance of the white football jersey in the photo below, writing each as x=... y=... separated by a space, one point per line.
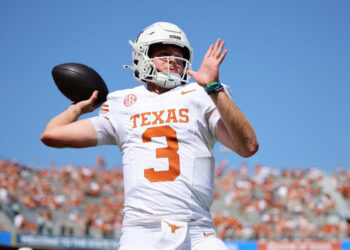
x=166 y=142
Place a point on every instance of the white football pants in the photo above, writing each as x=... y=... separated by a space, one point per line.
x=170 y=235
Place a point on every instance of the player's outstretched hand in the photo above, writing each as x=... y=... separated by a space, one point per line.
x=87 y=106
x=209 y=70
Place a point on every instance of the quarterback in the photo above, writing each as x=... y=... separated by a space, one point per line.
x=166 y=129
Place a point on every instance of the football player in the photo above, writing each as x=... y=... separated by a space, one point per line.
x=166 y=129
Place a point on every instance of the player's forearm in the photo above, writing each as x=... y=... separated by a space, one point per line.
x=65 y=131
x=68 y=116
x=238 y=127
x=52 y=136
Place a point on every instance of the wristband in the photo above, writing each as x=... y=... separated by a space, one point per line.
x=213 y=87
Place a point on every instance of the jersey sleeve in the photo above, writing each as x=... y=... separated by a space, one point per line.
x=104 y=127
x=213 y=115
x=106 y=134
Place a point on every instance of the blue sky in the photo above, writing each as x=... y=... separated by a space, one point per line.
x=287 y=65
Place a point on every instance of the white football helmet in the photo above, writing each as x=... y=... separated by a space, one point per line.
x=143 y=67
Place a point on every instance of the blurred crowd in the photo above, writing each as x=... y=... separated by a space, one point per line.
x=343 y=183
x=276 y=204
x=88 y=201
x=73 y=201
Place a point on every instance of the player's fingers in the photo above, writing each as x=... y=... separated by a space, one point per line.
x=94 y=94
x=209 y=51
x=219 y=50
x=190 y=72
x=222 y=57
x=216 y=46
x=93 y=97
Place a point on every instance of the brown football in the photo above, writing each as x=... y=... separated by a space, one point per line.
x=77 y=82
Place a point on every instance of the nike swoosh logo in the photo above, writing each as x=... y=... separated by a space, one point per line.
x=185 y=92
x=207 y=234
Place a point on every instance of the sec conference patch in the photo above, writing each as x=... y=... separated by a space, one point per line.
x=130 y=100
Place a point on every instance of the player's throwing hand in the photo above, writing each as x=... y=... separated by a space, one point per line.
x=87 y=106
x=209 y=70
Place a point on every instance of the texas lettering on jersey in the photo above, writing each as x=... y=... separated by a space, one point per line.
x=164 y=155
x=160 y=117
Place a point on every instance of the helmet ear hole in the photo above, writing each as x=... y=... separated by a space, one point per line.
x=152 y=71
x=186 y=53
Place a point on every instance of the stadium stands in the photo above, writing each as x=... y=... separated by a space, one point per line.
x=87 y=201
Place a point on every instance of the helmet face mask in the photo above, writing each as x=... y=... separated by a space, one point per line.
x=159 y=34
x=166 y=78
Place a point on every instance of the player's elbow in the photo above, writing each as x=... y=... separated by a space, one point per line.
x=50 y=140
x=250 y=149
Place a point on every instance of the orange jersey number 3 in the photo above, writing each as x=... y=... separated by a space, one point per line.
x=169 y=152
